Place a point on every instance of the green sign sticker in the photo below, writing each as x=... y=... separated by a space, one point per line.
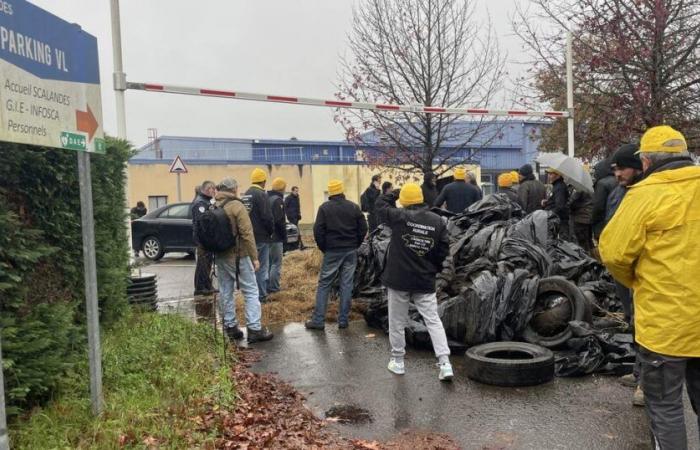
x=73 y=141
x=100 y=146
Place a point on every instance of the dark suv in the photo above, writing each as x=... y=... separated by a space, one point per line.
x=169 y=229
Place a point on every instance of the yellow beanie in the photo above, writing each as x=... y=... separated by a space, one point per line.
x=278 y=184
x=505 y=180
x=662 y=139
x=411 y=194
x=460 y=173
x=258 y=176
x=515 y=177
x=335 y=187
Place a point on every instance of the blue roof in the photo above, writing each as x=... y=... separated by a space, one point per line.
x=498 y=145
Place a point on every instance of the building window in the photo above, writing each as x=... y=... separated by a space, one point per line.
x=156 y=201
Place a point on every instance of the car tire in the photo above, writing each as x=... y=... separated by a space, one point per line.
x=510 y=364
x=152 y=248
x=581 y=311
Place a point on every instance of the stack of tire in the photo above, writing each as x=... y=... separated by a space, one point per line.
x=142 y=291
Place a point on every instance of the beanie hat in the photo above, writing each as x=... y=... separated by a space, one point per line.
x=626 y=157
x=278 y=184
x=505 y=180
x=526 y=170
x=514 y=176
x=411 y=194
x=460 y=173
x=258 y=176
x=662 y=139
x=335 y=187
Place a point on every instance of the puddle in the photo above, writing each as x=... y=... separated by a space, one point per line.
x=349 y=414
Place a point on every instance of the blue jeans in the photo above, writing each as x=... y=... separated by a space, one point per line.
x=226 y=270
x=273 y=282
x=263 y=273
x=341 y=262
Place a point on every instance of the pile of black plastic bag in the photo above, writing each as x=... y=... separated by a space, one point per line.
x=488 y=288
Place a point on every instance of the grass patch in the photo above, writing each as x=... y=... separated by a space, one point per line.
x=159 y=371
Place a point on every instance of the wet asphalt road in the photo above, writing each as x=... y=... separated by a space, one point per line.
x=335 y=367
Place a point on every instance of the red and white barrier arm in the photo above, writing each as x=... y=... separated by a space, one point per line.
x=170 y=89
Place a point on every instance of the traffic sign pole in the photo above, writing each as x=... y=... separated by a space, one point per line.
x=92 y=309
x=179 y=190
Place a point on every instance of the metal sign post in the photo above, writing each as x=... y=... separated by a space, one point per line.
x=93 y=313
x=177 y=167
x=4 y=439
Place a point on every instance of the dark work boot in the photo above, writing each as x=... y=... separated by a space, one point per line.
x=311 y=325
x=260 y=335
x=234 y=333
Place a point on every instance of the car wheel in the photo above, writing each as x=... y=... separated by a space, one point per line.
x=510 y=364
x=576 y=308
x=152 y=248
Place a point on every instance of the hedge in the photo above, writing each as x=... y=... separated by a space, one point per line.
x=42 y=316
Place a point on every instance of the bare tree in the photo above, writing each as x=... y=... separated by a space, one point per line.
x=423 y=52
x=637 y=64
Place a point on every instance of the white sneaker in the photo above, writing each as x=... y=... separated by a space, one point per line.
x=396 y=367
x=446 y=373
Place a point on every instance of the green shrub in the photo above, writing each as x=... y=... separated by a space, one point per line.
x=41 y=264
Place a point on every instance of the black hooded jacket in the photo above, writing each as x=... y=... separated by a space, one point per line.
x=200 y=204
x=419 y=245
x=258 y=206
x=279 y=221
x=605 y=183
x=559 y=201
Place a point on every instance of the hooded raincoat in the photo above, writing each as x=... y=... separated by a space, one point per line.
x=652 y=245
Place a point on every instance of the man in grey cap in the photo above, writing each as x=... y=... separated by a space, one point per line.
x=237 y=266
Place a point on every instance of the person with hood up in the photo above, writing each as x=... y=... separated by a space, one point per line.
x=558 y=202
x=258 y=205
x=531 y=190
x=368 y=198
x=458 y=195
x=505 y=186
x=604 y=183
x=651 y=245
x=418 y=247
x=339 y=230
x=429 y=189
x=279 y=235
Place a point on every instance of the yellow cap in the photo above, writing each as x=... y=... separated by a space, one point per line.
x=278 y=184
x=662 y=139
x=515 y=176
x=335 y=187
x=460 y=173
x=505 y=180
x=411 y=194
x=258 y=176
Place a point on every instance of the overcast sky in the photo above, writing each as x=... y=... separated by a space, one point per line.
x=285 y=47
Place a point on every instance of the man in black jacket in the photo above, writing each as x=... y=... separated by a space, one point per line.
x=202 y=272
x=279 y=235
x=558 y=202
x=419 y=245
x=292 y=208
x=458 y=195
x=258 y=206
x=368 y=198
x=531 y=190
x=339 y=230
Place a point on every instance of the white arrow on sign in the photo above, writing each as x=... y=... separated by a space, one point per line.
x=178 y=166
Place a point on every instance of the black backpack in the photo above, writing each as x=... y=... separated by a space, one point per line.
x=214 y=229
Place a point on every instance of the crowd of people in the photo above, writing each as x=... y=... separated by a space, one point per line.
x=642 y=221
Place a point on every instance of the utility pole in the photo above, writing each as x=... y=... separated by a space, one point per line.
x=570 y=93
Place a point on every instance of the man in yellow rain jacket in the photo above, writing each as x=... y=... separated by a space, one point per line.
x=652 y=245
